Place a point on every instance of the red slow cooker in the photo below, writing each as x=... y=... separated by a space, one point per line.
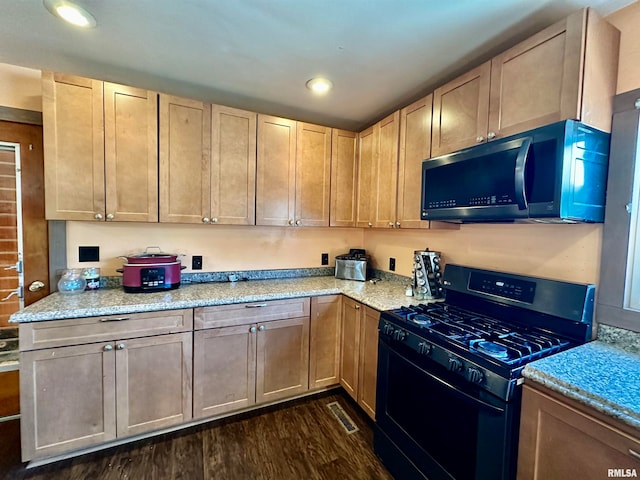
x=151 y=271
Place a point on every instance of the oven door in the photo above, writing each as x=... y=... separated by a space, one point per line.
x=443 y=426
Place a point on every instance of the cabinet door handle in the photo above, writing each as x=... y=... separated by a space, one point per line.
x=633 y=453
x=108 y=348
x=357 y=307
x=116 y=319
x=98 y=216
x=206 y=220
x=120 y=346
x=253 y=329
x=259 y=305
x=110 y=216
x=398 y=224
x=261 y=328
x=214 y=220
x=479 y=139
x=291 y=222
x=491 y=135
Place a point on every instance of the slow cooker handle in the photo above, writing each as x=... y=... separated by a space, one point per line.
x=120 y=270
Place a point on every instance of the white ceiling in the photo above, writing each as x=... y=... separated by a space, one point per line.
x=258 y=54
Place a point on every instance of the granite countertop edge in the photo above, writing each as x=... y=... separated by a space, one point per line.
x=597 y=374
x=383 y=295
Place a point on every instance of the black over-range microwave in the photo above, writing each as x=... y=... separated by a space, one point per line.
x=556 y=173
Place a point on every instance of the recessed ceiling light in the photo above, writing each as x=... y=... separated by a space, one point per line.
x=70 y=13
x=319 y=85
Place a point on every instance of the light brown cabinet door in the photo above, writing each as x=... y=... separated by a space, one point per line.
x=350 y=346
x=324 y=347
x=276 y=174
x=368 y=141
x=153 y=382
x=461 y=111
x=537 y=82
x=67 y=399
x=233 y=166
x=415 y=147
x=131 y=153
x=368 y=363
x=344 y=172
x=558 y=440
x=224 y=370
x=282 y=366
x=73 y=134
x=185 y=173
x=313 y=175
x=386 y=185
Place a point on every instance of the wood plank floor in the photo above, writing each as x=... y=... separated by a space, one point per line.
x=297 y=441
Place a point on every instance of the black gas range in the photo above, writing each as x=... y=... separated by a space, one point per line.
x=449 y=373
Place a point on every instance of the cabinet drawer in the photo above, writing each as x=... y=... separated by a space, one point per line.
x=76 y=331
x=245 y=313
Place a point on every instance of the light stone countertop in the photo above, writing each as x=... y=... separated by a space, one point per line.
x=384 y=295
x=600 y=375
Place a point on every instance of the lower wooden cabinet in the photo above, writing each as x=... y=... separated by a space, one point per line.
x=359 y=353
x=560 y=438
x=224 y=370
x=250 y=362
x=324 y=341
x=77 y=396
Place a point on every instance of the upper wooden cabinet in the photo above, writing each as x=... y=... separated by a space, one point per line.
x=293 y=173
x=100 y=144
x=566 y=71
x=378 y=173
x=344 y=171
x=415 y=147
x=368 y=144
x=460 y=111
x=207 y=163
x=233 y=166
x=185 y=170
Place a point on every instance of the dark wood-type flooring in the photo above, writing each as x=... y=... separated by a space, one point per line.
x=300 y=440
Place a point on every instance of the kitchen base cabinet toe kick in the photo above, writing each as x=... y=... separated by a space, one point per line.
x=93 y=383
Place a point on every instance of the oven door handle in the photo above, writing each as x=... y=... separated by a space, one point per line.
x=455 y=391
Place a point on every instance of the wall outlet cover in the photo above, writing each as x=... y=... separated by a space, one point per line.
x=88 y=254
x=325 y=259
x=196 y=262
x=392 y=264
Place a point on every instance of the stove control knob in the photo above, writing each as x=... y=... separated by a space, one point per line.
x=399 y=335
x=436 y=259
x=424 y=348
x=455 y=364
x=475 y=375
x=388 y=329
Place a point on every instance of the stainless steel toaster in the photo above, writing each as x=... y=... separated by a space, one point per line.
x=352 y=265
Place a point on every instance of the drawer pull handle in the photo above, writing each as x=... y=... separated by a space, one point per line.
x=116 y=319
x=259 y=305
x=633 y=453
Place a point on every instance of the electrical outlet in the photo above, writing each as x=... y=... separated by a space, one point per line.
x=392 y=264
x=88 y=254
x=325 y=259
x=196 y=262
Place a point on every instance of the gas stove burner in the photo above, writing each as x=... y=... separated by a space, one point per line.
x=421 y=320
x=492 y=349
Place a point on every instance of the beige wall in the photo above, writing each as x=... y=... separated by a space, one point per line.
x=563 y=252
x=628 y=22
x=20 y=87
x=223 y=248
